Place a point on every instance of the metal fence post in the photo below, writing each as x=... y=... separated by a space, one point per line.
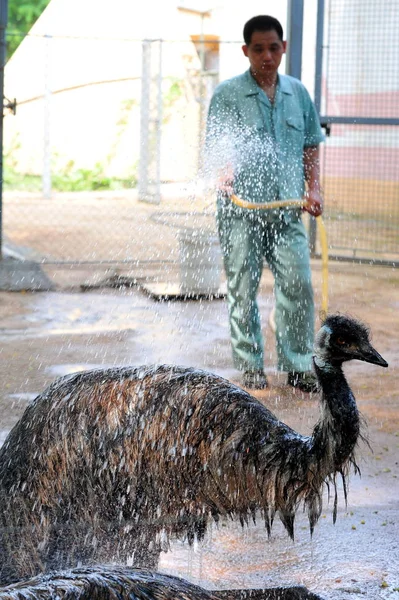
x=294 y=36
x=144 y=119
x=46 y=176
x=158 y=124
x=319 y=54
x=294 y=68
x=317 y=98
x=149 y=180
x=3 y=25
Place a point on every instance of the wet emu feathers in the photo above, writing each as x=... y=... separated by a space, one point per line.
x=106 y=464
x=123 y=583
x=105 y=583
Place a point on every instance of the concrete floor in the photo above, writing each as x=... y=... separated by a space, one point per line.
x=44 y=335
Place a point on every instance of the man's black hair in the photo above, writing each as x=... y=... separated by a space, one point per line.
x=262 y=23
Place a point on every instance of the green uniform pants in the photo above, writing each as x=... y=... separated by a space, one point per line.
x=245 y=244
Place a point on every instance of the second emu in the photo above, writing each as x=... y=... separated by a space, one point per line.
x=105 y=465
x=103 y=582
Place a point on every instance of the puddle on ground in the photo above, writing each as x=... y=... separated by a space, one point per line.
x=143 y=324
x=353 y=560
x=23 y=396
x=3 y=434
x=63 y=314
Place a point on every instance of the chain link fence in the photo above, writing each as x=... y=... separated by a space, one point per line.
x=360 y=99
x=101 y=159
x=85 y=154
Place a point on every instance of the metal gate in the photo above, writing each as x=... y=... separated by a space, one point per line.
x=357 y=95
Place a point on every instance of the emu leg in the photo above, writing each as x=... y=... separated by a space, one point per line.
x=111 y=544
x=27 y=552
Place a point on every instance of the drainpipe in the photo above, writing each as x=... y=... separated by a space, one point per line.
x=294 y=37
x=3 y=25
x=294 y=68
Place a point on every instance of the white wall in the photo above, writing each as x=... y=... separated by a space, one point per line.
x=84 y=124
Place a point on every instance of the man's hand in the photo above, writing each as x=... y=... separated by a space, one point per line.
x=225 y=181
x=314 y=203
x=313 y=198
x=226 y=187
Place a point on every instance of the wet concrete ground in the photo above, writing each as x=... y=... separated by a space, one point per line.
x=45 y=335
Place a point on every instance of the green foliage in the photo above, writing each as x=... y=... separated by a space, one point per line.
x=71 y=179
x=126 y=108
x=12 y=180
x=171 y=96
x=174 y=93
x=75 y=180
x=68 y=179
x=64 y=179
x=21 y=16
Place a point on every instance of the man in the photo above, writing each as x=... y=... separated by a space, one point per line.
x=262 y=138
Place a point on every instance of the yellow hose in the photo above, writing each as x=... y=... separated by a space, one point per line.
x=324 y=265
x=295 y=203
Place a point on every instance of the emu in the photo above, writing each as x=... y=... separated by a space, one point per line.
x=105 y=465
x=106 y=582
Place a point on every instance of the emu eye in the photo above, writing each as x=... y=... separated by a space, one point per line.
x=341 y=341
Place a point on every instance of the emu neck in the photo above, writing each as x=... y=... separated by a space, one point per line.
x=337 y=432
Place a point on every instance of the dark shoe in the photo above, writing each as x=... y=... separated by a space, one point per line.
x=306 y=382
x=254 y=380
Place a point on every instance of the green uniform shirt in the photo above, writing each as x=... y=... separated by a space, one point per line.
x=261 y=141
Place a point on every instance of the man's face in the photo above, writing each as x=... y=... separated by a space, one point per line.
x=264 y=52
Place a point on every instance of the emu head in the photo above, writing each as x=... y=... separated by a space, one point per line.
x=343 y=338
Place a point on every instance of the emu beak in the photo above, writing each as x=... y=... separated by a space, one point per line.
x=369 y=354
